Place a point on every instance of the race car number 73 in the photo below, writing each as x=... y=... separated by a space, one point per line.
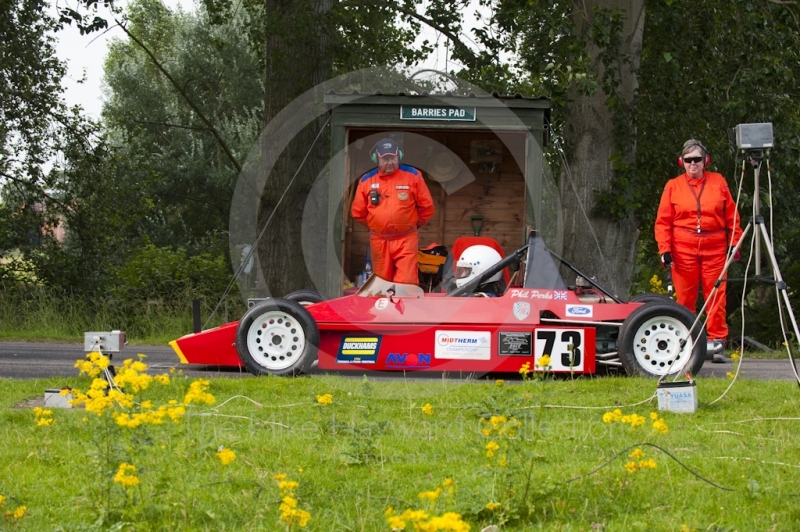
x=556 y=343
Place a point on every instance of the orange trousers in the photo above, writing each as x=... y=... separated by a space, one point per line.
x=698 y=258
x=395 y=260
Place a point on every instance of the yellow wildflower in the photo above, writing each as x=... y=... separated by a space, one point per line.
x=491 y=447
x=197 y=393
x=654 y=415
x=290 y=514
x=656 y=286
x=544 y=361
x=730 y=374
x=649 y=463
x=525 y=369
x=431 y=495
x=499 y=382
x=288 y=486
x=630 y=467
x=325 y=399
x=122 y=476
x=2 y=500
x=279 y=476
x=427 y=409
x=19 y=513
x=637 y=453
x=610 y=417
x=147 y=405
x=226 y=456
x=447 y=482
x=660 y=426
x=162 y=379
x=503 y=461
x=635 y=420
x=735 y=355
x=492 y=506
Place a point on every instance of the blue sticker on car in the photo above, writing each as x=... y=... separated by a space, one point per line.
x=359 y=350
x=408 y=361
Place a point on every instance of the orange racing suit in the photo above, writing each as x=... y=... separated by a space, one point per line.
x=405 y=205
x=697 y=222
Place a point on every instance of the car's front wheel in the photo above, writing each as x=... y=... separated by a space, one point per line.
x=277 y=337
x=655 y=341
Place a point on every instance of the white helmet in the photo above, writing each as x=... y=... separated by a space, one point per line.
x=474 y=261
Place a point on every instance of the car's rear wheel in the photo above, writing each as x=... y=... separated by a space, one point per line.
x=651 y=337
x=277 y=337
x=305 y=297
x=647 y=297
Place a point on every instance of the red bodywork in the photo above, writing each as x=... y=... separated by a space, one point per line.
x=439 y=333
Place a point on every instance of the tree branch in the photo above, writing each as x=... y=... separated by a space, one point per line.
x=167 y=124
x=185 y=96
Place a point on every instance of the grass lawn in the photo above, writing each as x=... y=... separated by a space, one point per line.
x=494 y=453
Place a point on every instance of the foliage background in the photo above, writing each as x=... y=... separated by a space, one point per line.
x=144 y=193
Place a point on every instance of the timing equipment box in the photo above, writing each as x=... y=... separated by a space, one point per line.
x=753 y=136
x=105 y=342
x=677 y=396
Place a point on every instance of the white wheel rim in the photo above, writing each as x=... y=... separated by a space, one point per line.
x=275 y=340
x=656 y=345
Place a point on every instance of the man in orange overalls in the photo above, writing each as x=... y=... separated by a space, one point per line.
x=696 y=225
x=393 y=201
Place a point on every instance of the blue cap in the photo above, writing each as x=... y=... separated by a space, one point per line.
x=386 y=147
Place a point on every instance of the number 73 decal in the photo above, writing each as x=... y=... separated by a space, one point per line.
x=564 y=346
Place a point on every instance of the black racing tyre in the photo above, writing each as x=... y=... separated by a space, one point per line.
x=277 y=337
x=305 y=297
x=650 y=341
x=647 y=297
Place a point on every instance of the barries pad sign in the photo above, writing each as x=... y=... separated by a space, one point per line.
x=463 y=345
x=432 y=112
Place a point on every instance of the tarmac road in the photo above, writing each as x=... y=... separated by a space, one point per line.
x=34 y=360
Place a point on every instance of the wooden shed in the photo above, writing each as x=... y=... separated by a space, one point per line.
x=481 y=156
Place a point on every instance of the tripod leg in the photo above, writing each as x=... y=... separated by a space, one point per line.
x=781 y=286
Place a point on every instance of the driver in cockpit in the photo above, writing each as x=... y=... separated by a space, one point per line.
x=473 y=262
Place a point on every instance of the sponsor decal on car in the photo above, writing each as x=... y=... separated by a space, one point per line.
x=560 y=295
x=517 y=344
x=579 y=311
x=408 y=361
x=463 y=345
x=523 y=293
x=359 y=350
x=381 y=303
x=521 y=310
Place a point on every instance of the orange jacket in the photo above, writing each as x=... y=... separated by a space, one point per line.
x=405 y=202
x=702 y=205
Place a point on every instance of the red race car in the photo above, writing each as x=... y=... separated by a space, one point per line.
x=392 y=327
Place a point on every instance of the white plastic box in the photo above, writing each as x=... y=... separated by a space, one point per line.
x=678 y=396
x=54 y=399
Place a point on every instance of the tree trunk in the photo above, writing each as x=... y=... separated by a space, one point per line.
x=590 y=144
x=295 y=61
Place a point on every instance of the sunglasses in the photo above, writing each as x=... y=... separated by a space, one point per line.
x=689 y=160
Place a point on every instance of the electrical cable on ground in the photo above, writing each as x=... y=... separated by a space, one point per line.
x=254 y=246
x=645 y=444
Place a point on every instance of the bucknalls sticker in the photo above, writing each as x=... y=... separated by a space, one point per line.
x=359 y=350
x=463 y=345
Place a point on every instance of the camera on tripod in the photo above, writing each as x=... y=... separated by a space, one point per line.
x=748 y=137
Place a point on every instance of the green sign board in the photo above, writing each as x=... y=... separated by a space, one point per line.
x=435 y=112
